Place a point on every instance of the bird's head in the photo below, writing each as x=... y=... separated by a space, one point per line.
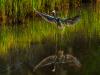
x=53 y=13
x=60 y=53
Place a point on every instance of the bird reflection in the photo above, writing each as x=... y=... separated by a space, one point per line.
x=59 y=58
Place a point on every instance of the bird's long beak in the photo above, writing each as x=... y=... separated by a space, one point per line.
x=53 y=70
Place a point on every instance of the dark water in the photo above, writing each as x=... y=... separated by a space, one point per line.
x=22 y=61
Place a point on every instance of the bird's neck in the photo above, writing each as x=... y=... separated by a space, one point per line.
x=54 y=14
x=60 y=56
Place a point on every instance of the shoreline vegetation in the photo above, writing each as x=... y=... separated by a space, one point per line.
x=18 y=11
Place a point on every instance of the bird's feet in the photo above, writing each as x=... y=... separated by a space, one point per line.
x=61 y=27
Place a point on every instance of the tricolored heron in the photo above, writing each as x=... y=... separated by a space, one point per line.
x=59 y=21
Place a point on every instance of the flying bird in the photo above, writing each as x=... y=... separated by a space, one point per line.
x=59 y=21
x=60 y=58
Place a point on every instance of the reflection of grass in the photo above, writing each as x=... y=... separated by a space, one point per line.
x=6 y=39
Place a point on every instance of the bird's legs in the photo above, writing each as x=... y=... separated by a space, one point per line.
x=61 y=27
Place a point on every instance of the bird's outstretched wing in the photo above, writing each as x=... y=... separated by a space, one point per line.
x=45 y=62
x=46 y=16
x=73 y=61
x=71 y=21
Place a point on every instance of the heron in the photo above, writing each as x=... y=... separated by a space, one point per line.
x=59 y=58
x=61 y=23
